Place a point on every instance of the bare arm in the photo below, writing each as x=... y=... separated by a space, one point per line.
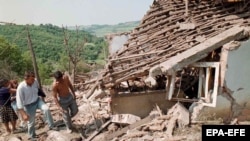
x=55 y=95
x=12 y=91
x=71 y=88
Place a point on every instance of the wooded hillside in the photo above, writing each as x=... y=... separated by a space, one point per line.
x=48 y=41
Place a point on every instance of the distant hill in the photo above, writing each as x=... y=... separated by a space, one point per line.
x=102 y=30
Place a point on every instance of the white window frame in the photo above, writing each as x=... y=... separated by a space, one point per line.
x=210 y=101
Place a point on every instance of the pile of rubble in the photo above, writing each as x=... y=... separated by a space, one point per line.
x=94 y=122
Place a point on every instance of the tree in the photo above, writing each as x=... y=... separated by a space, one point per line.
x=74 y=50
x=33 y=58
x=11 y=60
x=45 y=71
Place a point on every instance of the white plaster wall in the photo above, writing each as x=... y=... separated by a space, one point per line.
x=237 y=77
x=221 y=112
x=237 y=80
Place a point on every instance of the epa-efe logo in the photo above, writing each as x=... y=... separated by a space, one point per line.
x=228 y=132
x=210 y=132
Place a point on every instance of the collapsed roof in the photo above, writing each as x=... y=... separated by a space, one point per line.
x=169 y=28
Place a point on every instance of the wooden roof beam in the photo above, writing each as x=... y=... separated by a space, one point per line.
x=197 y=52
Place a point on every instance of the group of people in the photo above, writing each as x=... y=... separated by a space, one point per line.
x=23 y=99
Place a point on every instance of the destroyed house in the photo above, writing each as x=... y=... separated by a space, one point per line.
x=194 y=52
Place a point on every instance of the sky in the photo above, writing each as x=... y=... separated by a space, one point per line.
x=72 y=12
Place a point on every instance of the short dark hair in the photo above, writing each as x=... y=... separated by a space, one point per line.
x=3 y=81
x=58 y=74
x=28 y=74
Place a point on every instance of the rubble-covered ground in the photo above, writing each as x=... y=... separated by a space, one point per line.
x=94 y=122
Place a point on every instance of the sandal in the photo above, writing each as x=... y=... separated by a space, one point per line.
x=20 y=130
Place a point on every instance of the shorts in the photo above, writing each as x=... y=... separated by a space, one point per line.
x=7 y=114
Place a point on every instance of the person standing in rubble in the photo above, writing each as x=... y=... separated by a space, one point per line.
x=7 y=113
x=13 y=85
x=65 y=98
x=28 y=101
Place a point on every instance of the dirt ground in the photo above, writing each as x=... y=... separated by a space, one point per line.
x=191 y=133
x=188 y=133
x=41 y=127
x=41 y=131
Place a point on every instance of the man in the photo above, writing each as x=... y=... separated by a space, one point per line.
x=64 y=99
x=28 y=101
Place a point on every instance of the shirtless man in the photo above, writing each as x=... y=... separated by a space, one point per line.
x=64 y=99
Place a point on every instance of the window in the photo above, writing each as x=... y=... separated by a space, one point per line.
x=207 y=85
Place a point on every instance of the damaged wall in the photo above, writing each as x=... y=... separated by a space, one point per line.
x=234 y=93
x=116 y=41
x=140 y=104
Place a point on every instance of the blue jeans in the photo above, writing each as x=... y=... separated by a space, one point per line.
x=13 y=105
x=22 y=122
x=69 y=105
x=31 y=111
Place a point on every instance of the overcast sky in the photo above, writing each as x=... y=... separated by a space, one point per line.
x=72 y=12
